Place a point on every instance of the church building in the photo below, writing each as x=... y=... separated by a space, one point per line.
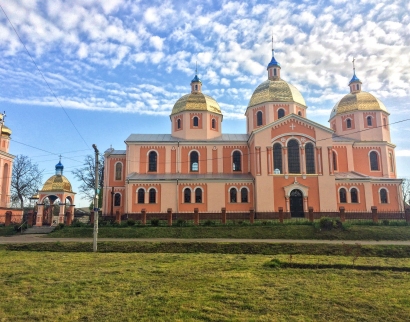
x=283 y=160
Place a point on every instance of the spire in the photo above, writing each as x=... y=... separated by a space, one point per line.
x=273 y=67
x=196 y=84
x=59 y=168
x=355 y=84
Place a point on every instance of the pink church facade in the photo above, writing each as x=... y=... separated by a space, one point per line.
x=284 y=160
x=7 y=215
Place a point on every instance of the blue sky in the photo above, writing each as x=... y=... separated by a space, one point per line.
x=118 y=66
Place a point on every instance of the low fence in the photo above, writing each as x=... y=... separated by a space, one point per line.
x=210 y=218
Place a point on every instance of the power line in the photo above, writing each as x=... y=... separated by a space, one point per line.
x=48 y=85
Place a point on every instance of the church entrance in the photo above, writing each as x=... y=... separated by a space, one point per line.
x=296 y=204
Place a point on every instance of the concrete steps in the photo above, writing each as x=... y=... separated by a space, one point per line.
x=39 y=230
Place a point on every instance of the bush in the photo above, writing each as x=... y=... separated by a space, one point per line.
x=326 y=223
x=155 y=222
x=77 y=223
x=385 y=222
x=181 y=222
x=209 y=223
x=131 y=222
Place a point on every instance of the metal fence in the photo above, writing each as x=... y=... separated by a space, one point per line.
x=251 y=217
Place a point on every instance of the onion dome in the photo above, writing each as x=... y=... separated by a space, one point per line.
x=5 y=131
x=57 y=183
x=276 y=91
x=196 y=102
x=360 y=101
x=357 y=100
x=59 y=168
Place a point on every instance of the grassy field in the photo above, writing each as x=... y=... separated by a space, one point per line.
x=359 y=232
x=196 y=287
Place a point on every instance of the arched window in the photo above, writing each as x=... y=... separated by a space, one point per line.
x=213 y=124
x=334 y=160
x=195 y=121
x=293 y=156
x=357 y=86
x=118 y=171
x=277 y=157
x=342 y=195
x=187 y=195
x=374 y=161
x=233 y=195
x=117 y=200
x=384 y=122
x=281 y=113
x=152 y=161
x=236 y=161
x=194 y=161
x=179 y=124
x=244 y=195
x=196 y=87
x=349 y=123
x=300 y=113
x=198 y=195
x=383 y=196
x=310 y=158
x=152 y=195
x=274 y=72
x=369 y=121
x=353 y=195
x=141 y=195
x=259 y=118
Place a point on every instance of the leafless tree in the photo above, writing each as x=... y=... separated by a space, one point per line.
x=406 y=192
x=86 y=176
x=25 y=180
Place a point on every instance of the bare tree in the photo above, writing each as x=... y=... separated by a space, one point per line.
x=25 y=180
x=86 y=176
x=405 y=185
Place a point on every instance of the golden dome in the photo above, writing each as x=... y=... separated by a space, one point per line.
x=276 y=91
x=360 y=101
x=57 y=183
x=5 y=130
x=196 y=102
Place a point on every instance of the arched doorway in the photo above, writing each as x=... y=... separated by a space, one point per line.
x=296 y=203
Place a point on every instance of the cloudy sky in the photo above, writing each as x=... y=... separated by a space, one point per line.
x=117 y=67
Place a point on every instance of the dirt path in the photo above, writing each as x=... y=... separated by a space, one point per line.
x=25 y=239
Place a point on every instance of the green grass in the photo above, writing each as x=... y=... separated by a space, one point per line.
x=194 y=287
x=359 y=232
x=220 y=248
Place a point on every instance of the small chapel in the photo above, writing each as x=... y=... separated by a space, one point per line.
x=284 y=160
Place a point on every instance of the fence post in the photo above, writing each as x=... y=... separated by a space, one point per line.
x=252 y=215
x=144 y=216
x=91 y=217
x=8 y=218
x=117 y=217
x=281 y=215
x=196 y=216
x=407 y=215
x=310 y=214
x=223 y=210
x=30 y=216
x=342 y=214
x=374 y=214
x=169 y=214
x=69 y=218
